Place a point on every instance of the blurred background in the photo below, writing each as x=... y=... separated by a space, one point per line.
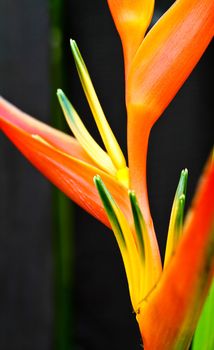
x=41 y=232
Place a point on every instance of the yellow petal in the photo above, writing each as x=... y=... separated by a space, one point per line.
x=106 y=133
x=99 y=156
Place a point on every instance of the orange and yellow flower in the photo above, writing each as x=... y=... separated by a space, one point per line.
x=167 y=300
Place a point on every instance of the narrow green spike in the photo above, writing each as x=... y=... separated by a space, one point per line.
x=124 y=236
x=145 y=247
x=182 y=185
x=106 y=133
x=91 y=147
x=139 y=224
x=176 y=218
x=109 y=206
x=179 y=217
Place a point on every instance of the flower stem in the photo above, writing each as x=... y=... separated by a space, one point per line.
x=62 y=207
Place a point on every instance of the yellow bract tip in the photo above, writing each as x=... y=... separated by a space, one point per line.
x=112 y=147
x=123 y=176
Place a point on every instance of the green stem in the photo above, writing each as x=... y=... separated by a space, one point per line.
x=63 y=261
x=62 y=207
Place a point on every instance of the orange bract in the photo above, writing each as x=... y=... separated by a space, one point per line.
x=162 y=63
x=60 y=140
x=174 y=306
x=70 y=174
x=132 y=19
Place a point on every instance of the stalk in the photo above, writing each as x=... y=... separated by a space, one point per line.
x=62 y=207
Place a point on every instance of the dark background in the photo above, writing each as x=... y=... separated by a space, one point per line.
x=103 y=317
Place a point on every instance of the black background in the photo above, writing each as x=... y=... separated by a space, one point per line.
x=181 y=138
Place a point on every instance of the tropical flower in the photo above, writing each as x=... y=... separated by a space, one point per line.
x=167 y=300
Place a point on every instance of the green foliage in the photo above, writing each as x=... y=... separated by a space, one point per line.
x=204 y=334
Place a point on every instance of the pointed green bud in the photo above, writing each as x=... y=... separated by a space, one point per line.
x=125 y=239
x=110 y=208
x=176 y=218
x=145 y=248
x=139 y=224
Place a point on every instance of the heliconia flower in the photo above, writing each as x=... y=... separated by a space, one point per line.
x=167 y=300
